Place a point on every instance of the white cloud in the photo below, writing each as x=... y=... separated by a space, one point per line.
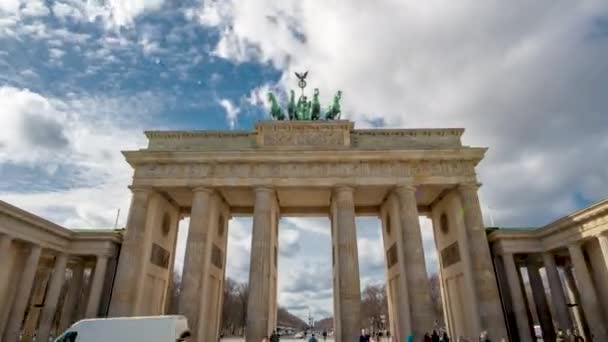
x=9 y=6
x=525 y=80
x=81 y=134
x=56 y=53
x=66 y=10
x=35 y=8
x=232 y=111
x=313 y=225
x=118 y=13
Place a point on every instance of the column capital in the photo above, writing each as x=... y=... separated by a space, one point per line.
x=469 y=186
x=140 y=189
x=263 y=188
x=343 y=188
x=203 y=189
x=6 y=237
x=578 y=245
x=408 y=186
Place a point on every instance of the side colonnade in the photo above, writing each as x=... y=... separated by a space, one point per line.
x=50 y=276
x=556 y=276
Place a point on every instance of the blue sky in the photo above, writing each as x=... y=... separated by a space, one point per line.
x=81 y=79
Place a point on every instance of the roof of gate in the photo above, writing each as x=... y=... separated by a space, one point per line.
x=303 y=135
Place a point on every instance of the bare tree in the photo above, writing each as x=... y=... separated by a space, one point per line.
x=435 y=287
x=374 y=308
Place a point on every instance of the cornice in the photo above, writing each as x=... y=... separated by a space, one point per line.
x=573 y=220
x=474 y=154
x=34 y=220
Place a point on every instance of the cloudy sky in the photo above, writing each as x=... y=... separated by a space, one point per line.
x=81 y=79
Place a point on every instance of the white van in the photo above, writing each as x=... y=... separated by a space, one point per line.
x=128 y=329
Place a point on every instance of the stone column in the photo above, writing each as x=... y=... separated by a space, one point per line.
x=575 y=299
x=6 y=267
x=99 y=275
x=422 y=315
x=13 y=329
x=130 y=262
x=399 y=300
x=589 y=298
x=603 y=242
x=347 y=287
x=540 y=301
x=189 y=299
x=71 y=300
x=258 y=310
x=517 y=298
x=52 y=297
x=487 y=300
x=557 y=292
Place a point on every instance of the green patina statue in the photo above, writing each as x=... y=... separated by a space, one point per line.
x=291 y=107
x=315 y=111
x=335 y=110
x=304 y=109
x=275 y=110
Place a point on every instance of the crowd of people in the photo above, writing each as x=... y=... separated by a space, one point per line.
x=435 y=336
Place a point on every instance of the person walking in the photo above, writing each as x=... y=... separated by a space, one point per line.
x=363 y=337
x=410 y=338
x=445 y=337
x=312 y=338
x=483 y=337
x=435 y=336
x=274 y=337
x=324 y=335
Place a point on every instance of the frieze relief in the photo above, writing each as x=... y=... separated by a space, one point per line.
x=290 y=134
x=306 y=169
x=318 y=138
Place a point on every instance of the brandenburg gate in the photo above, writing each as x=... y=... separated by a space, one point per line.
x=318 y=168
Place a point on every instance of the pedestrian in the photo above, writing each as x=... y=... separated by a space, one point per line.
x=274 y=337
x=483 y=337
x=363 y=337
x=560 y=336
x=410 y=338
x=445 y=337
x=312 y=338
x=427 y=337
x=435 y=336
x=324 y=335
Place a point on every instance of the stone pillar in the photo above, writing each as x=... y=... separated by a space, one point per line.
x=71 y=299
x=52 y=297
x=258 y=310
x=6 y=267
x=189 y=299
x=557 y=292
x=347 y=288
x=422 y=314
x=13 y=329
x=99 y=275
x=540 y=301
x=575 y=299
x=517 y=298
x=487 y=300
x=130 y=262
x=589 y=298
x=36 y=302
x=397 y=274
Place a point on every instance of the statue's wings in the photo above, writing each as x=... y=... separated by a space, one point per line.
x=301 y=76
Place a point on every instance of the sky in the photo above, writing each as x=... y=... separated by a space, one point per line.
x=81 y=79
